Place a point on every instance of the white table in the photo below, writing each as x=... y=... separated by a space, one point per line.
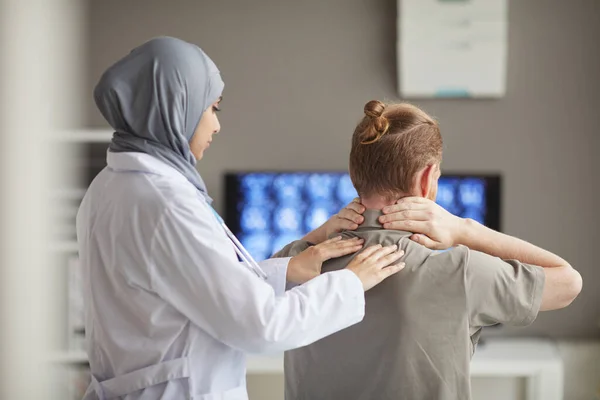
x=536 y=360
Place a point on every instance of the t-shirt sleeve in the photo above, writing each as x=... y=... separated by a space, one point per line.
x=292 y=249
x=502 y=291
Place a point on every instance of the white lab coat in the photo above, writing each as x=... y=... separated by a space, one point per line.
x=170 y=312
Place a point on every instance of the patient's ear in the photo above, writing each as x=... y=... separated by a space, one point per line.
x=427 y=178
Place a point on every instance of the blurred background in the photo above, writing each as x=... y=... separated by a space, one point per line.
x=297 y=75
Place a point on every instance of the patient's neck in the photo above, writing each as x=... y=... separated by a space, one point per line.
x=376 y=202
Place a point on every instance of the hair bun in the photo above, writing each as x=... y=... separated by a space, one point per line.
x=374 y=109
x=379 y=124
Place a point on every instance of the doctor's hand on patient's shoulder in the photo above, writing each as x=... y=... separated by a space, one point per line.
x=375 y=264
x=307 y=265
x=432 y=225
x=347 y=219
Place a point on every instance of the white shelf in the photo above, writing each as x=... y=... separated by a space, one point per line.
x=87 y=136
x=70 y=357
x=514 y=357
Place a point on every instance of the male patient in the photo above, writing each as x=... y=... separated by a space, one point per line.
x=421 y=325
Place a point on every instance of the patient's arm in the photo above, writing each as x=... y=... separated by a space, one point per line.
x=563 y=283
x=293 y=249
x=436 y=228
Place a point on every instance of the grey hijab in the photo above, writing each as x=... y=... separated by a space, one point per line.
x=154 y=98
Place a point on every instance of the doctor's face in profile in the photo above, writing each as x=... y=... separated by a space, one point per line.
x=207 y=127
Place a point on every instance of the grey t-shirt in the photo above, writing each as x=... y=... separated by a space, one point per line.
x=420 y=327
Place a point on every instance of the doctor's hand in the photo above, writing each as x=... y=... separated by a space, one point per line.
x=375 y=264
x=432 y=225
x=307 y=265
x=347 y=219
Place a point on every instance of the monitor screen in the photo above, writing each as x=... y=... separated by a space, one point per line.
x=267 y=210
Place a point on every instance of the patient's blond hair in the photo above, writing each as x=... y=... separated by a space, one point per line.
x=390 y=144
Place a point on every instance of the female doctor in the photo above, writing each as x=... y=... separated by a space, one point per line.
x=170 y=311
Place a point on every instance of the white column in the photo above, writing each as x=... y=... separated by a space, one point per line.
x=39 y=78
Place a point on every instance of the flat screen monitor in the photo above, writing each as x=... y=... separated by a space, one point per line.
x=267 y=210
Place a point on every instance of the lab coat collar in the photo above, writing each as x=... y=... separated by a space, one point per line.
x=141 y=162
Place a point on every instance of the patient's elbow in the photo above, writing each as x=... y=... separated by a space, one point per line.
x=563 y=285
x=574 y=287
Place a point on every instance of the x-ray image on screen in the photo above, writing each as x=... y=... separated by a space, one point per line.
x=267 y=210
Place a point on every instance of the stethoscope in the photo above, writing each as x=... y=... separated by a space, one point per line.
x=240 y=250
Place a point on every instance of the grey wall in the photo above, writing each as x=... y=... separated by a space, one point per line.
x=297 y=75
